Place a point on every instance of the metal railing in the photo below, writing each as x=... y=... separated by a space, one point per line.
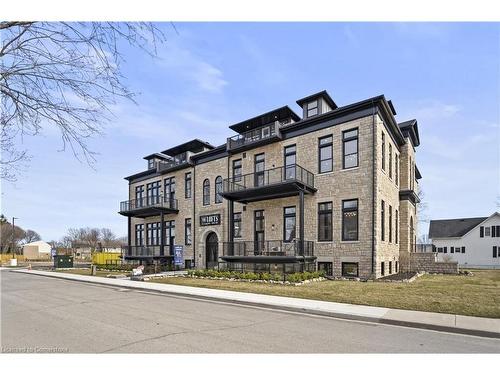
x=147 y=202
x=142 y=251
x=268 y=248
x=279 y=175
x=173 y=162
x=255 y=135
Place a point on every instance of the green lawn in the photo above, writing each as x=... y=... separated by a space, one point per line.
x=477 y=295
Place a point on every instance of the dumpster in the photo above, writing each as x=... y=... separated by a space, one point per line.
x=63 y=261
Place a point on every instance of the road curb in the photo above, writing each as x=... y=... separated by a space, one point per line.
x=376 y=316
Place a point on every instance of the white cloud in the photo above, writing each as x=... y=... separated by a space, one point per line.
x=436 y=110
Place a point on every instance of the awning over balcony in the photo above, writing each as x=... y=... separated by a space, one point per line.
x=269 y=184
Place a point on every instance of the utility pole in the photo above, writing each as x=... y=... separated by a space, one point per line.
x=13 y=229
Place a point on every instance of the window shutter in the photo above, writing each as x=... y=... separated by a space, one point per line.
x=494 y=251
x=452 y=250
x=481 y=232
x=493 y=231
x=445 y=249
x=463 y=249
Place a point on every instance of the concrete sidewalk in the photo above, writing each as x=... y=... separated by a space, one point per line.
x=485 y=327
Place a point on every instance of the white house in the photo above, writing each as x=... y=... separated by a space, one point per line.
x=472 y=242
x=37 y=250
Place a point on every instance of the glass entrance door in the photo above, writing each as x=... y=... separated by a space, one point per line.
x=259 y=166
x=290 y=155
x=259 y=233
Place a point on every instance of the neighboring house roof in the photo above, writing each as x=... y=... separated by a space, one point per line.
x=454 y=227
x=42 y=246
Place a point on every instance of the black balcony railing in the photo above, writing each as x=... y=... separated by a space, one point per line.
x=142 y=251
x=276 y=248
x=153 y=201
x=175 y=161
x=274 y=176
x=255 y=135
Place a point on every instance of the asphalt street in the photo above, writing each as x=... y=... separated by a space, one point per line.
x=41 y=314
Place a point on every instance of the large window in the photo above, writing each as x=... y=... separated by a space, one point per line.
x=153 y=192
x=187 y=185
x=153 y=234
x=350 y=148
x=350 y=220
x=312 y=108
x=350 y=269
x=139 y=235
x=390 y=223
x=218 y=189
x=383 y=151
x=289 y=222
x=139 y=196
x=206 y=192
x=382 y=221
x=494 y=251
x=237 y=225
x=237 y=170
x=326 y=154
x=187 y=232
x=325 y=229
x=259 y=169
x=396 y=225
x=169 y=188
x=290 y=156
x=390 y=160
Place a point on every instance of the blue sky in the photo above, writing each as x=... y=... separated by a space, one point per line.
x=211 y=75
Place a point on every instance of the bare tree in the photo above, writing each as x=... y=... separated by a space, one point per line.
x=108 y=238
x=31 y=236
x=65 y=75
x=8 y=241
x=422 y=207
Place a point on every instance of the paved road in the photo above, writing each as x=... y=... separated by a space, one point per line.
x=41 y=312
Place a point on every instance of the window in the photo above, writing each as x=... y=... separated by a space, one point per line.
x=312 y=108
x=350 y=220
x=139 y=235
x=349 y=269
x=218 y=189
x=325 y=218
x=383 y=151
x=382 y=221
x=390 y=160
x=493 y=232
x=153 y=192
x=170 y=234
x=289 y=221
x=390 y=223
x=153 y=234
x=440 y=249
x=396 y=230
x=187 y=185
x=169 y=188
x=463 y=249
x=326 y=267
x=151 y=164
x=139 y=196
x=350 y=148
x=326 y=154
x=206 y=192
x=382 y=268
x=481 y=232
x=390 y=267
x=396 y=169
x=290 y=156
x=487 y=231
x=445 y=249
x=396 y=267
x=494 y=251
x=237 y=225
x=237 y=170
x=452 y=250
x=187 y=232
x=259 y=170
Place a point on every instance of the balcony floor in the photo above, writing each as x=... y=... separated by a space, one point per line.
x=267 y=259
x=148 y=211
x=274 y=191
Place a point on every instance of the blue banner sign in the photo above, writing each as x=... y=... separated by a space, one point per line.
x=179 y=255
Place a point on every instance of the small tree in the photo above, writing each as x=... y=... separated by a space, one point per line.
x=31 y=236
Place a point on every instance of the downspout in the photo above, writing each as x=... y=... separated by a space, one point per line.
x=193 y=222
x=374 y=153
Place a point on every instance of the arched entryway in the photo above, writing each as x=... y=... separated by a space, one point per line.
x=211 y=250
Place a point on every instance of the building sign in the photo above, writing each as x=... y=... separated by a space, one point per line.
x=213 y=219
x=53 y=252
x=179 y=255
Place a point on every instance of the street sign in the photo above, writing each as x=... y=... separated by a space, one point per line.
x=179 y=255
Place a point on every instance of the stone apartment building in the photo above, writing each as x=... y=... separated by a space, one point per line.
x=334 y=189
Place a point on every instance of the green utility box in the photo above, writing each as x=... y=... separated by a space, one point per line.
x=63 y=261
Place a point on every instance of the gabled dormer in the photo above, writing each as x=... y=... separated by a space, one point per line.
x=154 y=159
x=316 y=104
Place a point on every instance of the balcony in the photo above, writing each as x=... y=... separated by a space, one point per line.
x=141 y=252
x=258 y=136
x=174 y=162
x=148 y=206
x=274 y=251
x=269 y=184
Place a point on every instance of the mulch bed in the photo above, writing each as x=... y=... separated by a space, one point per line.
x=398 y=276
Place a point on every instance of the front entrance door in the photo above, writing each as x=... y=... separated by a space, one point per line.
x=212 y=250
x=259 y=236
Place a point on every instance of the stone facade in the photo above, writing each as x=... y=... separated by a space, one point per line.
x=369 y=183
x=427 y=262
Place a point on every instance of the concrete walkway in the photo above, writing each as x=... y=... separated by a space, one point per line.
x=485 y=327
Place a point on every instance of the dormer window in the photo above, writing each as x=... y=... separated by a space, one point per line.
x=312 y=108
x=151 y=164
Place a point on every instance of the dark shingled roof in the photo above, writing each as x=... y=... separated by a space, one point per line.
x=453 y=227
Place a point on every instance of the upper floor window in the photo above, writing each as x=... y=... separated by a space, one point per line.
x=218 y=189
x=139 y=195
x=237 y=170
x=237 y=225
x=187 y=232
x=396 y=168
x=350 y=148
x=390 y=160
x=187 y=185
x=289 y=224
x=153 y=192
x=350 y=220
x=487 y=232
x=326 y=154
x=382 y=221
x=206 y=192
x=169 y=188
x=325 y=229
x=312 y=108
x=151 y=164
x=383 y=151
x=390 y=223
x=396 y=235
